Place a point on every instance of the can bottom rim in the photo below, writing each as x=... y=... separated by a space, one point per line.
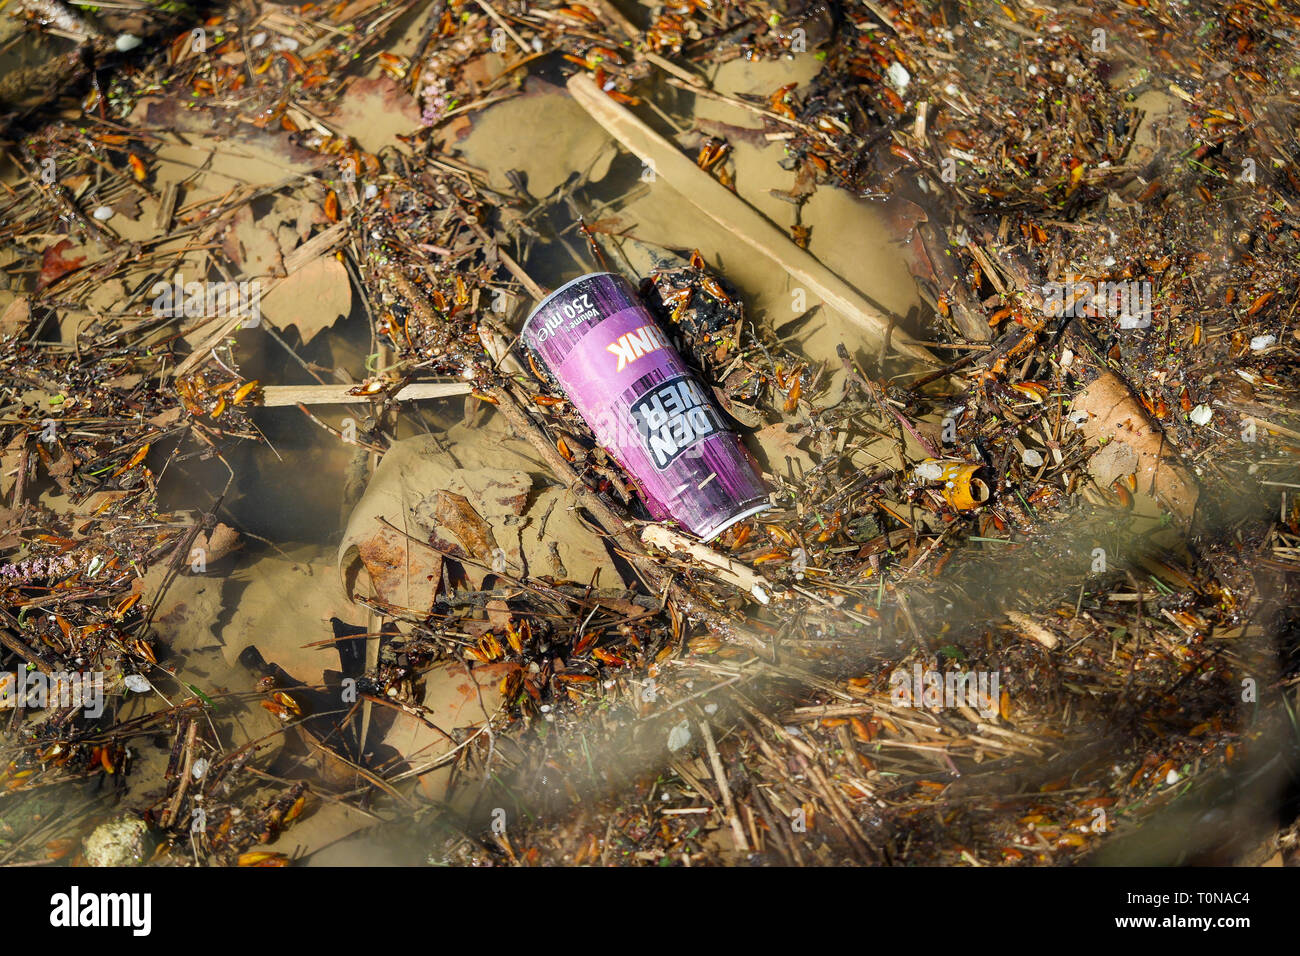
x=709 y=534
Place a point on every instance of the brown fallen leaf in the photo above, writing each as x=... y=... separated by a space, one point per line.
x=9 y=523
x=402 y=574
x=457 y=515
x=312 y=298
x=1028 y=627
x=249 y=244
x=777 y=442
x=218 y=542
x=1116 y=416
x=56 y=263
x=416 y=488
x=16 y=316
x=127 y=207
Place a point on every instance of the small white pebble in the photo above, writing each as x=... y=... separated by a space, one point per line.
x=258 y=39
x=137 y=683
x=898 y=76
x=710 y=709
x=200 y=768
x=1067 y=358
x=284 y=43
x=1261 y=342
x=103 y=213
x=1032 y=458
x=125 y=42
x=679 y=736
x=1201 y=415
x=1172 y=778
x=371 y=191
x=928 y=471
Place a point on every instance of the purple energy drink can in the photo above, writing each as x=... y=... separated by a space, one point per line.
x=644 y=405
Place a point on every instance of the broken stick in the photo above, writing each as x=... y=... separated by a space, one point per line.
x=278 y=395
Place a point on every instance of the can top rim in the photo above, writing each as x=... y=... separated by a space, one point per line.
x=547 y=301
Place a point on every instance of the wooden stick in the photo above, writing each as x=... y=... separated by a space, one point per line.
x=738 y=217
x=720 y=775
x=733 y=572
x=278 y=395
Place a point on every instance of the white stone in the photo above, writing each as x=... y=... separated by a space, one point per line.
x=119 y=842
x=898 y=76
x=137 y=683
x=679 y=736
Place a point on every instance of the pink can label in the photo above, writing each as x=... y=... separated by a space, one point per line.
x=623 y=375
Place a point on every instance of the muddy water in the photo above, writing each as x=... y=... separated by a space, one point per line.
x=850 y=236
x=280 y=594
x=280 y=590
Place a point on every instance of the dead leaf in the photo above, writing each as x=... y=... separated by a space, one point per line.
x=127 y=207
x=9 y=528
x=16 y=316
x=313 y=298
x=167 y=418
x=457 y=515
x=375 y=112
x=56 y=263
x=1116 y=416
x=777 y=442
x=421 y=491
x=218 y=542
x=1029 y=628
x=252 y=246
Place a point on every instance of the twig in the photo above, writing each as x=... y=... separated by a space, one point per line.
x=720 y=774
x=279 y=395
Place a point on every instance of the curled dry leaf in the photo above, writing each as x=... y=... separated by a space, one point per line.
x=457 y=515
x=218 y=542
x=1115 y=415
